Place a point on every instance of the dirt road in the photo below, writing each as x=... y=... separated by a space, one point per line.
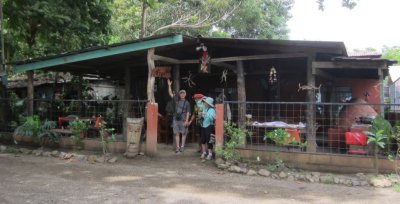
x=168 y=178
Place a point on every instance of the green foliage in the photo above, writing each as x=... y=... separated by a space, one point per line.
x=107 y=135
x=30 y=127
x=396 y=188
x=377 y=138
x=259 y=19
x=78 y=127
x=126 y=25
x=279 y=165
x=380 y=123
x=36 y=28
x=33 y=127
x=10 y=150
x=77 y=140
x=252 y=19
x=235 y=137
x=381 y=132
x=45 y=133
x=279 y=136
x=350 y=4
x=392 y=53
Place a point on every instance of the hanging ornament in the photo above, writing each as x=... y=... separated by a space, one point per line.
x=189 y=80
x=272 y=76
x=204 y=59
x=224 y=75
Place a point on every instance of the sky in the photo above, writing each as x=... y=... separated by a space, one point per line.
x=372 y=23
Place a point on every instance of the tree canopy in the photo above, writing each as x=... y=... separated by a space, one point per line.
x=217 y=18
x=36 y=28
x=392 y=53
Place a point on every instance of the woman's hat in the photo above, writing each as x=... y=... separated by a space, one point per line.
x=198 y=96
x=209 y=101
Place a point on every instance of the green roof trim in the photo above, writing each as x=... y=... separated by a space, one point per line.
x=103 y=52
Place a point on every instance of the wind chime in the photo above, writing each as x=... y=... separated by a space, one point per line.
x=272 y=76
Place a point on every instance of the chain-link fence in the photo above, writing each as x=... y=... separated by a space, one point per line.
x=333 y=128
x=113 y=112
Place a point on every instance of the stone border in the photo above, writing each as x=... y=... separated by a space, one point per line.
x=289 y=174
x=358 y=179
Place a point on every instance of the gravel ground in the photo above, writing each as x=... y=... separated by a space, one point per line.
x=167 y=178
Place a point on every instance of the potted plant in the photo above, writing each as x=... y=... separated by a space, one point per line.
x=78 y=129
x=46 y=136
x=28 y=130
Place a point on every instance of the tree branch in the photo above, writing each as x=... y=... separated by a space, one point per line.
x=183 y=21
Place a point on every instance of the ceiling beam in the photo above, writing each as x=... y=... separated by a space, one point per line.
x=231 y=59
x=350 y=65
x=322 y=73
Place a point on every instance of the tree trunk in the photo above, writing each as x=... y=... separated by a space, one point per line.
x=310 y=115
x=144 y=16
x=30 y=92
x=176 y=78
x=241 y=88
x=150 y=77
x=127 y=96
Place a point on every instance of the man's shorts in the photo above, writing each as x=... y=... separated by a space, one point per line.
x=179 y=127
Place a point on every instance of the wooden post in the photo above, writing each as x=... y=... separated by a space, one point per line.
x=382 y=92
x=176 y=78
x=30 y=91
x=241 y=88
x=150 y=77
x=151 y=129
x=127 y=96
x=310 y=115
x=219 y=125
x=176 y=87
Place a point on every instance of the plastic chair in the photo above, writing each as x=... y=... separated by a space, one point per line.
x=356 y=139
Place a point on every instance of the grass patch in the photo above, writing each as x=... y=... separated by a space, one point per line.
x=10 y=150
x=396 y=188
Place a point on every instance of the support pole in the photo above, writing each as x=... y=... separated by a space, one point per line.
x=241 y=88
x=382 y=93
x=151 y=129
x=219 y=126
x=150 y=77
x=127 y=96
x=311 y=109
x=30 y=92
x=176 y=78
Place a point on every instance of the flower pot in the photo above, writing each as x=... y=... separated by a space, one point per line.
x=17 y=138
x=27 y=139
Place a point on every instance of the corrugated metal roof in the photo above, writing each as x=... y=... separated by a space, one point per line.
x=366 y=54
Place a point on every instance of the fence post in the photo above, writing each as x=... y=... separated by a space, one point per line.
x=219 y=125
x=151 y=129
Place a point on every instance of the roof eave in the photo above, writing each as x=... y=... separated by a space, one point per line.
x=98 y=53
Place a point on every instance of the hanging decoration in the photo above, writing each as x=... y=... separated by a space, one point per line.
x=189 y=80
x=224 y=75
x=205 y=59
x=161 y=72
x=272 y=76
